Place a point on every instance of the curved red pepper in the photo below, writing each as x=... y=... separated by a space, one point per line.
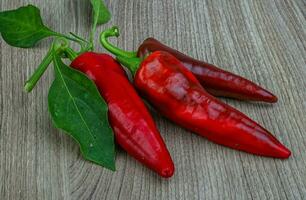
x=134 y=128
x=216 y=81
x=176 y=93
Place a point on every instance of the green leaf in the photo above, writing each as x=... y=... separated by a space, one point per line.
x=101 y=13
x=23 y=27
x=76 y=107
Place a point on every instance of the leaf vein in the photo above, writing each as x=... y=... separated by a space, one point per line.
x=72 y=98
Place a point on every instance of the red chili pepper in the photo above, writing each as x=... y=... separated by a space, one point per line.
x=216 y=81
x=134 y=128
x=176 y=93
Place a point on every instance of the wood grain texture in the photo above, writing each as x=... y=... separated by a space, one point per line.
x=263 y=40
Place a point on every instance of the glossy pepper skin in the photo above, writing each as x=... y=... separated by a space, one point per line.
x=176 y=93
x=134 y=128
x=216 y=81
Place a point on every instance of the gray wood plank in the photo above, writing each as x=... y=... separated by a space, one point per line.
x=263 y=40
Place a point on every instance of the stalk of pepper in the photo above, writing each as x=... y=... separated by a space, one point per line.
x=176 y=93
x=216 y=81
x=134 y=128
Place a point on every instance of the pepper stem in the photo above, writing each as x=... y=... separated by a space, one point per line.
x=131 y=63
x=70 y=53
x=114 y=31
x=126 y=58
x=59 y=46
x=30 y=83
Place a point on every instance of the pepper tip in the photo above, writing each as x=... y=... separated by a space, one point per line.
x=286 y=154
x=167 y=173
x=273 y=99
x=283 y=152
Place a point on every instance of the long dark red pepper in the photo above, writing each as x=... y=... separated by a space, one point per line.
x=134 y=128
x=176 y=93
x=216 y=81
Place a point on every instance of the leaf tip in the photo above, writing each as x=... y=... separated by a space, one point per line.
x=113 y=167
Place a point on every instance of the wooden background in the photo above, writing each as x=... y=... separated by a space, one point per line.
x=263 y=40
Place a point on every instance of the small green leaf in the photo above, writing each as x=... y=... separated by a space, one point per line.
x=76 y=107
x=101 y=13
x=23 y=27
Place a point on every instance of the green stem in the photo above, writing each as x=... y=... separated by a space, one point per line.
x=30 y=84
x=78 y=37
x=131 y=63
x=92 y=33
x=85 y=45
x=126 y=58
x=70 y=38
x=59 y=46
x=71 y=54
x=114 y=31
x=79 y=40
